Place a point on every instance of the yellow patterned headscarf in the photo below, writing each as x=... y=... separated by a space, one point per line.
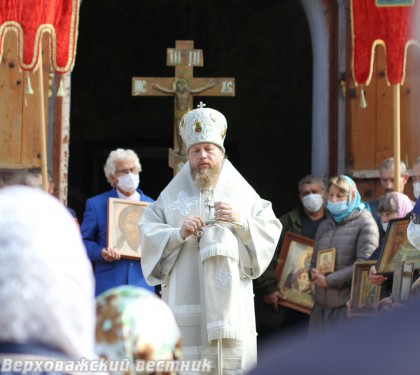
x=133 y=327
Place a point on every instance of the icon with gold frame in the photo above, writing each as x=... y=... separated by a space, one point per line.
x=123 y=231
x=325 y=261
x=364 y=296
x=292 y=272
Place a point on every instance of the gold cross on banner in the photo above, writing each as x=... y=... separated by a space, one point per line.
x=182 y=87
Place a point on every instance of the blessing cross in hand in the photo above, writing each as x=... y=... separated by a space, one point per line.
x=182 y=87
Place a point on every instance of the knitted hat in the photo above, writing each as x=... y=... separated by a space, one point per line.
x=203 y=125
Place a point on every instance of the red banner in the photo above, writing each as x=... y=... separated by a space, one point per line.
x=392 y=26
x=30 y=19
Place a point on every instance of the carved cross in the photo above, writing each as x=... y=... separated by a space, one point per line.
x=182 y=87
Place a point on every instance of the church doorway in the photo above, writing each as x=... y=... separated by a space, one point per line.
x=265 y=45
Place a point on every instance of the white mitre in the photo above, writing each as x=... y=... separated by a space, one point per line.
x=203 y=125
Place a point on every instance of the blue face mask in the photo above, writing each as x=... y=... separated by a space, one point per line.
x=337 y=208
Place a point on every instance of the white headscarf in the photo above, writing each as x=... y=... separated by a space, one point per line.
x=46 y=281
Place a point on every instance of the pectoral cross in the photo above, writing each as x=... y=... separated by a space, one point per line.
x=182 y=87
x=207 y=202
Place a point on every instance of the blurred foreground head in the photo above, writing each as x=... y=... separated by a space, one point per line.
x=134 y=324
x=46 y=282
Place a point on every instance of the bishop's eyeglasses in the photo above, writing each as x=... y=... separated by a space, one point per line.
x=123 y=172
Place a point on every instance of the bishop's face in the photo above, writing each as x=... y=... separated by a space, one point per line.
x=205 y=161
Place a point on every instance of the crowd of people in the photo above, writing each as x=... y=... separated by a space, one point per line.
x=208 y=243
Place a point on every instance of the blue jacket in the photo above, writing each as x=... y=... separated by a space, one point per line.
x=94 y=233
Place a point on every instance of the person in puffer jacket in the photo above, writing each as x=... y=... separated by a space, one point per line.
x=352 y=231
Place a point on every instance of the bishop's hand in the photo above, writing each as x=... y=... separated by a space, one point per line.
x=191 y=225
x=226 y=212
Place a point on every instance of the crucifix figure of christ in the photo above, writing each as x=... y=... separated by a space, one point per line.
x=182 y=87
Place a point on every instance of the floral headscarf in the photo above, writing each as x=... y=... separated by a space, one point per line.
x=134 y=324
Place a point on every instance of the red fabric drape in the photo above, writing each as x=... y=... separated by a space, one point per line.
x=392 y=25
x=31 y=18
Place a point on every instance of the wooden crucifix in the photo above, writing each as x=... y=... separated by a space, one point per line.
x=182 y=87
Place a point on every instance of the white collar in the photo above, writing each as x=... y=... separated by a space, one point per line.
x=133 y=197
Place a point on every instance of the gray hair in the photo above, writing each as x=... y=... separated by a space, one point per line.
x=416 y=160
x=389 y=163
x=37 y=171
x=388 y=203
x=117 y=155
x=10 y=177
x=310 y=179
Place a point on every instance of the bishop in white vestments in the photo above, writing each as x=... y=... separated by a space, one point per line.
x=204 y=240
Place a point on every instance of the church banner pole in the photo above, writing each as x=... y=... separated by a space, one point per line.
x=219 y=357
x=43 y=130
x=396 y=135
x=389 y=22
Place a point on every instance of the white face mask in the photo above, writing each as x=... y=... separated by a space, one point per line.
x=129 y=182
x=384 y=226
x=416 y=189
x=413 y=234
x=313 y=202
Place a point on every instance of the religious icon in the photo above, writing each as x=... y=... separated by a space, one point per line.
x=123 y=229
x=367 y=297
x=364 y=296
x=292 y=272
x=325 y=263
x=397 y=247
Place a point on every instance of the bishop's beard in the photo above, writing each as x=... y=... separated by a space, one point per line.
x=205 y=178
